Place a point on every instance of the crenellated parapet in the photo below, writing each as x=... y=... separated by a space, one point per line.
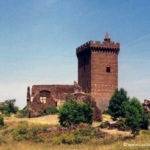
x=106 y=45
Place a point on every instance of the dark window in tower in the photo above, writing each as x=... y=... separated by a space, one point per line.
x=107 y=69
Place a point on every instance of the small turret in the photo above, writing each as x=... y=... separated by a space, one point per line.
x=28 y=94
x=107 y=38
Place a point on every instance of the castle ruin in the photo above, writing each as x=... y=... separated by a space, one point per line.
x=97 y=75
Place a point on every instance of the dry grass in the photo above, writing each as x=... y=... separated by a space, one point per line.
x=49 y=119
x=112 y=142
x=107 y=118
x=105 y=144
x=116 y=132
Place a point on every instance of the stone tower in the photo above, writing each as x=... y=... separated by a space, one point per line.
x=98 y=69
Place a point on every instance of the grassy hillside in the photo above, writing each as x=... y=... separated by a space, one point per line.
x=113 y=140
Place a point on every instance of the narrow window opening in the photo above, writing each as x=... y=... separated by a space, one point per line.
x=107 y=69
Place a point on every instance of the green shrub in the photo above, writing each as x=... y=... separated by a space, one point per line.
x=85 y=132
x=25 y=132
x=104 y=124
x=6 y=113
x=51 y=110
x=6 y=132
x=37 y=138
x=73 y=113
x=67 y=138
x=106 y=111
x=22 y=132
x=56 y=140
x=36 y=129
x=78 y=139
x=1 y=121
x=122 y=124
x=22 y=113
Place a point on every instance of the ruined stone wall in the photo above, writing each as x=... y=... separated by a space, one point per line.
x=43 y=96
x=57 y=91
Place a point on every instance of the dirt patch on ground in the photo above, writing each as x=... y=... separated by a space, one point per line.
x=116 y=132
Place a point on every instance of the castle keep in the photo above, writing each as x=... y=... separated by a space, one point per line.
x=98 y=69
x=97 y=75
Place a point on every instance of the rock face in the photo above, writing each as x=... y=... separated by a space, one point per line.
x=146 y=105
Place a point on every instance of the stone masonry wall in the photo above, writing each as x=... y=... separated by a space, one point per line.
x=98 y=69
x=103 y=83
x=43 y=96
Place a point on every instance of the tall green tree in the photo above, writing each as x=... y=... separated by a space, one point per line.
x=117 y=104
x=134 y=115
x=130 y=109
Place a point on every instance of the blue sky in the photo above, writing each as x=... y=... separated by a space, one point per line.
x=38 y=39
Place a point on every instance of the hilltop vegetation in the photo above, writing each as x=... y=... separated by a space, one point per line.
x=73 y=128
x=31 y=134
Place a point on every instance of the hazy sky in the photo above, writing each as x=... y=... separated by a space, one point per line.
x=38 y=39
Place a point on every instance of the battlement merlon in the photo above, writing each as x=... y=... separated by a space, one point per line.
x=97 y=45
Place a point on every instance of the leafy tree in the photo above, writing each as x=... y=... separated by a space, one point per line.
x=117 y=104
x=135 y=116
x=73 y=113
x=133 y=120
x=132 y=110
x=11 y=105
